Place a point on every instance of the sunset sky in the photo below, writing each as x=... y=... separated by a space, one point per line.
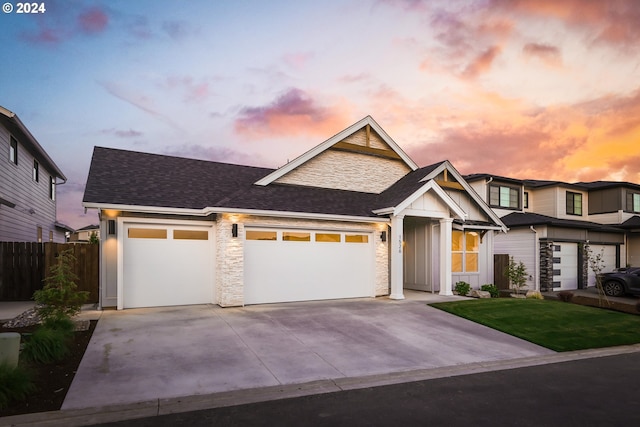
x=540 y=89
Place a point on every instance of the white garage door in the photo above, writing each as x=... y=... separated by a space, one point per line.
x=565 y=266
x=167 y=265
x=608 y=253
x=303 y=265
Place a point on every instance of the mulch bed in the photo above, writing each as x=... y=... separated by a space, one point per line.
x=53 y=380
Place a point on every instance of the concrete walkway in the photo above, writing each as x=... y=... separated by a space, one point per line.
x=160 y=353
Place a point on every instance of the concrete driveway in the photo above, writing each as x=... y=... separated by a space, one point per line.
x=157 y=353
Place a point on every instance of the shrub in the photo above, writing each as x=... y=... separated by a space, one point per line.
x=46 y=345
x=462 y=288
x=64 y=325
x=534 y=295
x=15 y=384
x=565 y=296
x=517 y=274
x=60 y=297
x=492 y=289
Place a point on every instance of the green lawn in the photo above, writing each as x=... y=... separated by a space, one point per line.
x=556 y=325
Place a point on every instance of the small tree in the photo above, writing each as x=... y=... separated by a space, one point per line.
x=596 y=264
x=60 y=298
x=517 y=274
x=93 y=238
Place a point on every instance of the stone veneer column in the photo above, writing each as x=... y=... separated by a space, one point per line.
x=397 y=261
x=445 y=256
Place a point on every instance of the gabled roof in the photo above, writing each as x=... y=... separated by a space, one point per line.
x=537 y=183
x=19 y=131
x=367 y=121
x=484 y=176
x=519 y=219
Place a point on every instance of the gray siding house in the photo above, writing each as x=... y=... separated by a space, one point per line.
x=28 y=179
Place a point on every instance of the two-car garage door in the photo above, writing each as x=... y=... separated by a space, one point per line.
x=166 y=265
x=301 y=265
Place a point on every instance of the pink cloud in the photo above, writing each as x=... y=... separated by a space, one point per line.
x=482 y=63
x=44 y=36
x=92 y=21
x=122 y=133
x=293 y=113
x=354 y=78
x=298 y=61
x=546 y=53
x=192 y=91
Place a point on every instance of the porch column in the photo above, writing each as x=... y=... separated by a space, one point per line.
x=397 y=261
x=445 y=256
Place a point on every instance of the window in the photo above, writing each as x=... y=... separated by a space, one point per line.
x=295 y=236
x=504 y=197
x=36 y=171
x=147 y=233
x=52 y=187
x=261 y=235
x=525 y=202
x=13 y=151
x=465 y=247
x=190 y=235
x=328 y=237
x=356 y=238
x=574 y=203
x=633 y=202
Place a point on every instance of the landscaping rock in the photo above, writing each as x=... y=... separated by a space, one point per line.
x=480 y=294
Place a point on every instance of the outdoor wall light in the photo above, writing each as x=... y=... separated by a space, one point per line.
x=383 y=236
x=111 y=227
x=234 y=230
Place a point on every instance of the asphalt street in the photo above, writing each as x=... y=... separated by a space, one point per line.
x=601 y=391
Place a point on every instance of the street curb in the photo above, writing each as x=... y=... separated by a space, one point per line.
x=151 y=408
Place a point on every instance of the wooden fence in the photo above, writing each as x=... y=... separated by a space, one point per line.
x=24 y=266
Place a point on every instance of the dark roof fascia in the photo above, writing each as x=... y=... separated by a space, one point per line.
x=603 y=185
x=480 y=176
x=535 y=184
x=19 y=131
x=528 y=219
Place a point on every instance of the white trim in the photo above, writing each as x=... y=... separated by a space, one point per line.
x=256 y=212
x=485 y=207
x=430 y=185
x=278 y=173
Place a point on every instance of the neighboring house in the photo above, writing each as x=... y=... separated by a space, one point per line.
x=352 y=217
x=550 y=222
x=84 y=234
x=28 y=179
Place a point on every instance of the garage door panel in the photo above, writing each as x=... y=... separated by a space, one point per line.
x=167 y=271
x=608 y=253
x=280 y=271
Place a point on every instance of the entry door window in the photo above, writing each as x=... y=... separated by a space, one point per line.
x=465 y=247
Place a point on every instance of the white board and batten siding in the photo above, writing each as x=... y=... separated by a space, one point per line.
x=522 y=245
x=282 y=265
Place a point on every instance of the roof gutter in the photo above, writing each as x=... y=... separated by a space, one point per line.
x=221 y=210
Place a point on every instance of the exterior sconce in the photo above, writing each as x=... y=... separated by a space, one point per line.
x=234 y=230
x=383 y=236
x=111 y=227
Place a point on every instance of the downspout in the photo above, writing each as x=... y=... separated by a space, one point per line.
x=536 y=258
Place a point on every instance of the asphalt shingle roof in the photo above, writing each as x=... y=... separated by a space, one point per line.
x=123 y=177
x=518 y=219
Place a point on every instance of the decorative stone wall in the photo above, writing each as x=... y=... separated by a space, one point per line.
x=230 y=251
x=347 y=171
x=546 y=266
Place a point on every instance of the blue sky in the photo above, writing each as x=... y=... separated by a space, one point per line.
x=523 y=88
